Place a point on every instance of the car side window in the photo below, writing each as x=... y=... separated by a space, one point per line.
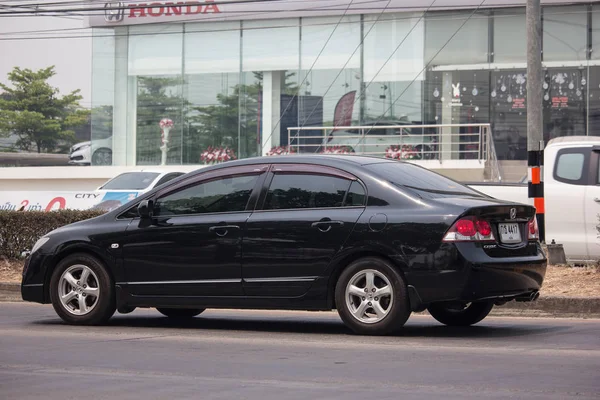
x=293 y=191
x=226 y=194
x=570 y=166
x=167 y=178
x=356 y=195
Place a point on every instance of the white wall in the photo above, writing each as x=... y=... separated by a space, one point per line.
x=67 y=178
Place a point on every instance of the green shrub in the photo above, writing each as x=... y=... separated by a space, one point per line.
x=20 y=230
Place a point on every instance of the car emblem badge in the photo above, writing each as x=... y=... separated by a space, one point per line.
x=513 y=213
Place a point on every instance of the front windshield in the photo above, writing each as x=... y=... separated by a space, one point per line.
x=423 y=182
x=131 y=181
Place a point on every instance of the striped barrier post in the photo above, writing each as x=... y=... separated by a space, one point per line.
x=535 y=164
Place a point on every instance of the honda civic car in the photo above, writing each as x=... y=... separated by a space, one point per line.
x=374 y=239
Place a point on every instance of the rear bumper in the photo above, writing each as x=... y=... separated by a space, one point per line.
x=471 y=275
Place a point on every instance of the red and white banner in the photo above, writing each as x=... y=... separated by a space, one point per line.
x=51 y=201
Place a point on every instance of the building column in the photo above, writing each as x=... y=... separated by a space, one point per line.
x=271 y=109
x=120 y=148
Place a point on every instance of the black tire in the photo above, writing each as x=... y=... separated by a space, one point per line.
x=454 y=316
x=398 y=307
x=180 y=313
x=102 y=156
x=104 y=306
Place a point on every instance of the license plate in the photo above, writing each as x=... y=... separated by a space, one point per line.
x=509 y=233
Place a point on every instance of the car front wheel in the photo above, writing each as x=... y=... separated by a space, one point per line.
x=81 y=290
x=460 y=314
x=102 y=157
x=180 y=313
x=371 y=297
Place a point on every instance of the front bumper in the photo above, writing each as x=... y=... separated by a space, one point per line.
x=81 y=156
x=34 y=274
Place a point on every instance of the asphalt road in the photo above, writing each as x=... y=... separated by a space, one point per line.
x=292 y=355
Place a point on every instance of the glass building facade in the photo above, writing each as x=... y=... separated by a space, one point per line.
x=241 y=84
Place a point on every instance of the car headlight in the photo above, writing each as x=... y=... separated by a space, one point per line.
x=39 y=244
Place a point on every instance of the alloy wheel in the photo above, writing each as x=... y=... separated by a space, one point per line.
x=369 y=296
x=78 y=290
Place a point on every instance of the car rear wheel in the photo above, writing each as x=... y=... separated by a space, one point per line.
x=81 y=290
x=371 y=297
x=460 y=314
x=180 y=313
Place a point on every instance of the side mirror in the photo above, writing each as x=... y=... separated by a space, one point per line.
x=146 y=209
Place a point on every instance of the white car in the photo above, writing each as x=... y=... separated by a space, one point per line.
x=81 y=153
x=571 y=192
x=375 y=141
x=129 y=185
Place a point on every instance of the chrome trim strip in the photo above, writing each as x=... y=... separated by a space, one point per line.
x=182 y=282
x=205 y=281
x=33 y=284
x=287 y=279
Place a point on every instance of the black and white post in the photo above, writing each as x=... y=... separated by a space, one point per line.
x=535 y=138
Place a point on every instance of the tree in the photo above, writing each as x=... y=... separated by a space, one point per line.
x=33 y=110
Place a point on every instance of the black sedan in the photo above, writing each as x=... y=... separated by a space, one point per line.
x=373 y=238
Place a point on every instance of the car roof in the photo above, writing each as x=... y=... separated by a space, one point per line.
x=310 y=158
x=585 y=140
x=153 y=170
x=338 y=160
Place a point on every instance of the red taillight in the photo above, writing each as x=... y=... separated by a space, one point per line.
x=484 y=227
x=466 y=227
x=534 y=233
x=469 y=229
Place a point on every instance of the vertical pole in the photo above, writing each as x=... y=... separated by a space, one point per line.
x=535 y=139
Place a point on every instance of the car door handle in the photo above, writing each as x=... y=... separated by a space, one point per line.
x=325 y=226
x=597 y=200
x=221 y=230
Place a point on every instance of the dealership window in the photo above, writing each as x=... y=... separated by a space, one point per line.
x=393 y=67
x=565 y=33
x=510 y=36
x=156 y=89
x=564 y=102
x=595 y=53
x=330 y=74
x=270 y=63
x=212 y=89
x=456 y=43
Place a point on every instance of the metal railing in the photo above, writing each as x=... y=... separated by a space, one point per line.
x=411 y=142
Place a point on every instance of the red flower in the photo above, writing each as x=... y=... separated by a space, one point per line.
x=280 y=150
x=404 y=152
x=214 y=155
x=337 y=150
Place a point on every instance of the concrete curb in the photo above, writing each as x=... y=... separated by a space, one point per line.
x=10 y=291
x=561 y=307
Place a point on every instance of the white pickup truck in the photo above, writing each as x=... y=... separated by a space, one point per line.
x=572 y=195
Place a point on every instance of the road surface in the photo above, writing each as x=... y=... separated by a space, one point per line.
x=292 y=355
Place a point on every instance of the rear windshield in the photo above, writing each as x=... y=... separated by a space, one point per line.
x=424 y=183
x=131 y=181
